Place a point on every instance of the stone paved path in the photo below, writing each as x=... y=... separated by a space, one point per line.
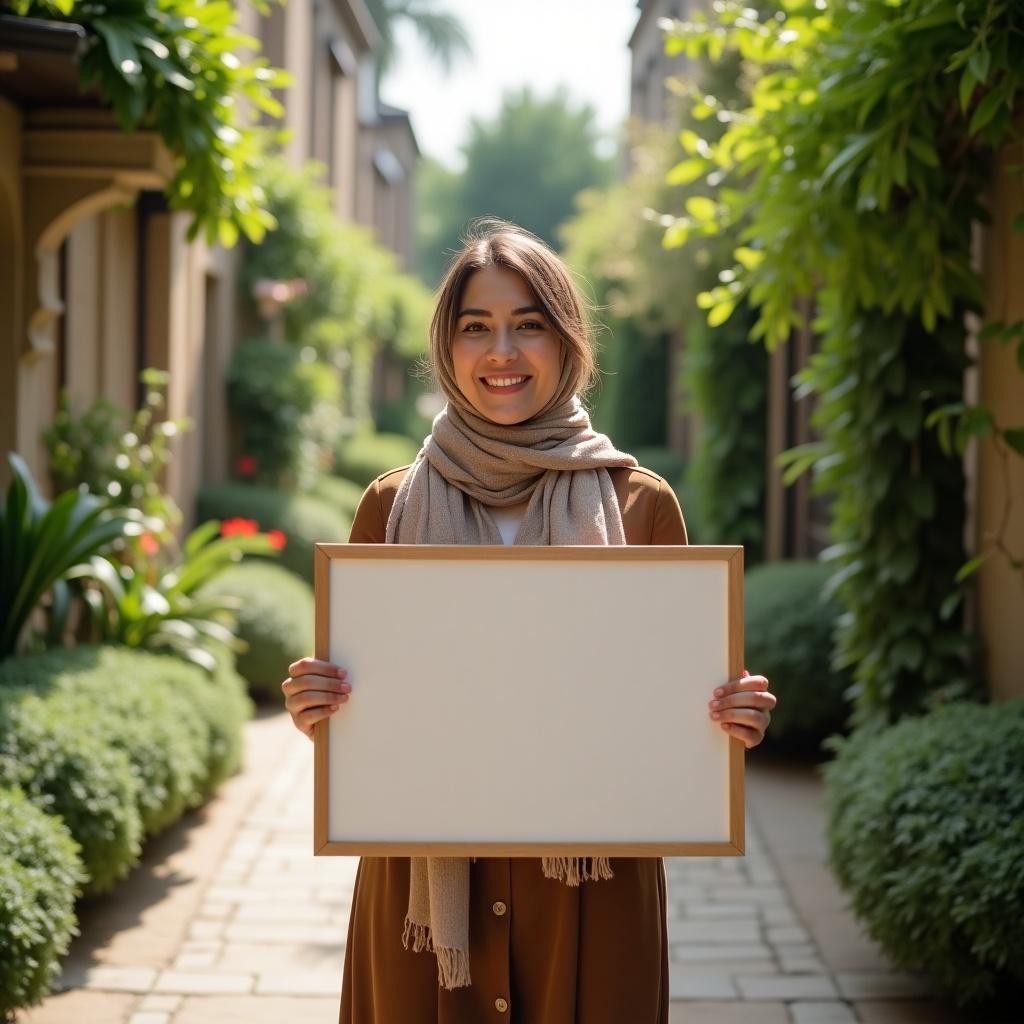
x=231 y=919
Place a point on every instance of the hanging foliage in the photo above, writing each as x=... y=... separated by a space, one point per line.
x=853 y=176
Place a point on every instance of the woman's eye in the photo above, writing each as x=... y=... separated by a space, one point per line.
x=535 y=324
x=470 y=326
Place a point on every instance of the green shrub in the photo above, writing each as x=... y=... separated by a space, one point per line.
x=365 y=456
x=788 y=638
x=272 y=392
x=343 y=495
x=119 y=742
x=40 y=874
x=276 y=620
x=66 y=767
x=304 y=519
x=926 y=834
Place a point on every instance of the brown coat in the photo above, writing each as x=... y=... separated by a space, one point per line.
x=541 y=952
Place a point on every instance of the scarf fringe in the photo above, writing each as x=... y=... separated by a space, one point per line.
x=421 y=936
x=573 y=870
x=452 y=964
x=452 y=968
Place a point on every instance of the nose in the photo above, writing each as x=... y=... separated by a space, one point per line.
x=503 y=347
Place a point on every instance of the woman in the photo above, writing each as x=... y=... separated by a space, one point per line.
x=512 y=459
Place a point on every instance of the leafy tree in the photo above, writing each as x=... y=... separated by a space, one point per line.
x=441 y=32
x=526 y=165
x=172 y=66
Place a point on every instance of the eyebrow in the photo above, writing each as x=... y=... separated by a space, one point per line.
x=487 y=312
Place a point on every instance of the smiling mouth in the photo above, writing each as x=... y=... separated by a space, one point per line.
x=505 y=385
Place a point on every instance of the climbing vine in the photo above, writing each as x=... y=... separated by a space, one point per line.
x=853 y=177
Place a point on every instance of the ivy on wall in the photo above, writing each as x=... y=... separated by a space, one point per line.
x=853 y=176
x=179 y=67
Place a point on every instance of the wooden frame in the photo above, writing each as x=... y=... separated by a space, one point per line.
x=423 y=738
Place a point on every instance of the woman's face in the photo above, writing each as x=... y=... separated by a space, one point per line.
x=507 y=358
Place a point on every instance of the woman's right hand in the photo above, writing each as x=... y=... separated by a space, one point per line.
x=314 y=690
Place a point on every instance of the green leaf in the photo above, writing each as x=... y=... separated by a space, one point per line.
x=686 y=172
x=971 y=567
x=985 y=111
x=850 y=153
x=979 y=63
x=701 y=207
x=1014 y=437
x=967 y=85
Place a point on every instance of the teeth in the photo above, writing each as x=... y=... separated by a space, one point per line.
x=503 y=382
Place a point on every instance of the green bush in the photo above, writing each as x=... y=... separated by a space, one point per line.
x=276 y=620
x=364 y=456
x=40 y=874
x=788 y=638
x=66 y=767
x=343 y=495
x=118 y=742
x=272 y=392
x=926 y=834
x=304 y=519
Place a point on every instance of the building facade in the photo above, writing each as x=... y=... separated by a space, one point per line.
x=97 y=277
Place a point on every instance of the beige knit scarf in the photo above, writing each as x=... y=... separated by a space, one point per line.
x=468 y=463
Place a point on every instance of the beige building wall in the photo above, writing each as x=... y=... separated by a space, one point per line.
x=999 y=485
x=11 y=283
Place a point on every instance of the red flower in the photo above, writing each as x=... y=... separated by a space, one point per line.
x=245 y=465
x=239 y=527
x=277 y=539
x=149 y=544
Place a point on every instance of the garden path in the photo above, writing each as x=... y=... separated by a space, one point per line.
x=231 y=919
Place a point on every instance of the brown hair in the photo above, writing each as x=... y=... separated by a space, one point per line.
x=491 y=241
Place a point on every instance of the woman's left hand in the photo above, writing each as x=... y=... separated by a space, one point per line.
x=743 y=708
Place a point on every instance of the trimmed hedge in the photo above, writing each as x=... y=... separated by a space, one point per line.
x=926 y=834
x=363 y=457
x=788 y=638
x=276 y=620
x=303 y=518
x=118 y=742
x=40 y=874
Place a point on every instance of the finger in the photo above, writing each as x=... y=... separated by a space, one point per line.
x=306 y=666
x=313 y=699
x=750 y=683
x=314 y=682
x=746 y=672
x=305 y=720
x=742 y=716
x=760 y=699
x=749 y=737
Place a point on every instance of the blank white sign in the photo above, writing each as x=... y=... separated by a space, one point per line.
x=510 y=699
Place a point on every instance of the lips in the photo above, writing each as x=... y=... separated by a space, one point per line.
x=506 y=389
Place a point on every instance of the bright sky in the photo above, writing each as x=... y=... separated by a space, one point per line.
x=581 y=43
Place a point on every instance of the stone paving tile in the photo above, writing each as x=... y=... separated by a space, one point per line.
x=149 y=1018
x=80 y=1007
x=120 y=979
x=264 y=1010
x=203 y=982
x=885 y=985
x=257 y=957
x=831 y=1012
x=299 y=983
x=727 y=1013
x=159 y=1004
x=787 y=986
x=701 y=986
